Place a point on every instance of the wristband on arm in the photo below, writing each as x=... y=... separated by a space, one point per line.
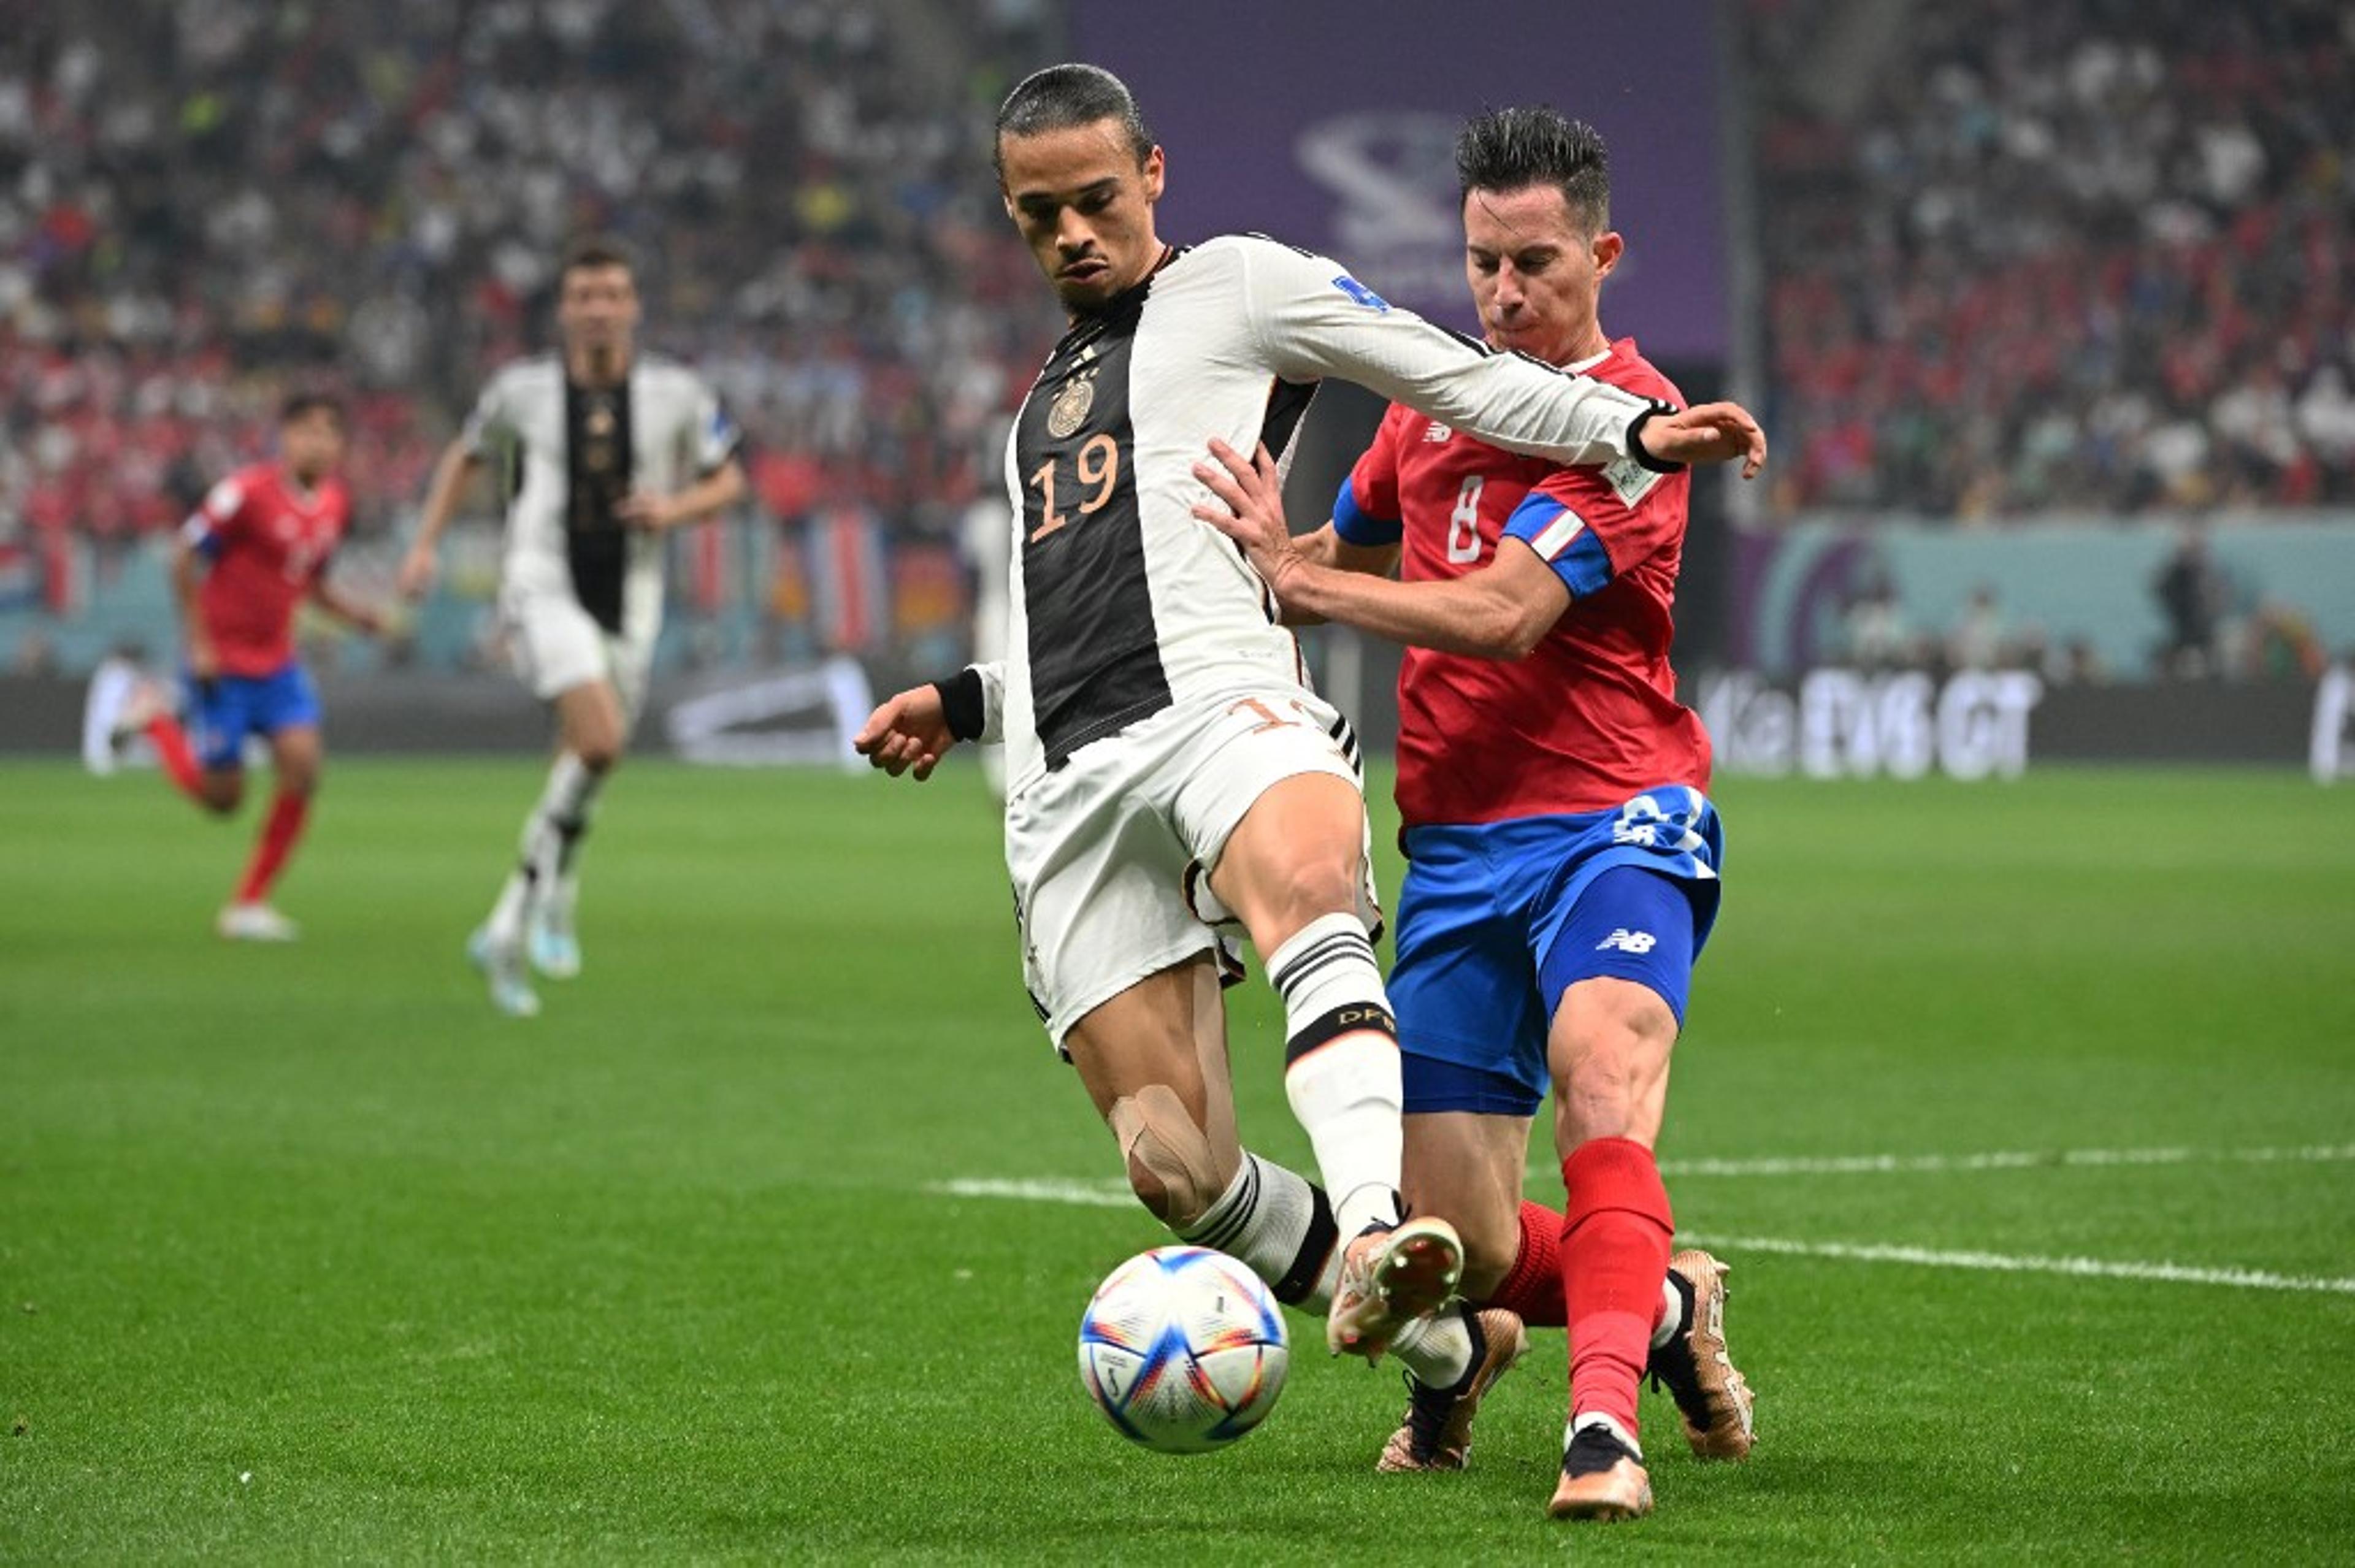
x=964 y=703
x=1636 y=448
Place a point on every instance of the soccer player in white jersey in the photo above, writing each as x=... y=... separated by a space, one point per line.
x=606 y=450
x=1169 y=771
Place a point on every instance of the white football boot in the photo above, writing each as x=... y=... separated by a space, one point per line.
x=255 y=922
x=121 y=705
x=503 y=966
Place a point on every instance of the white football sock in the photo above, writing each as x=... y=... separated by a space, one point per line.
x=1280 y=1227
x=1596 y=1418
x=554 y=825
x=1672 y=1313
x=1438 y=1348
x=504 y=928
x=552 y=833
x=1342 y=1066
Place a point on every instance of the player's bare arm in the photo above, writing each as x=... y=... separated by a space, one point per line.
x=1326 y=546
x=1501 y=610
x=359 y=615
x=457 y=466
x=1329 y=549
x=715 y=492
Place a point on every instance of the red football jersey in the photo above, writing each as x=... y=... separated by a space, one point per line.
x=268 y=539
x=1589 y=719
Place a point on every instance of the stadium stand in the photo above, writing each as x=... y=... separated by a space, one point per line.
x=2041 y=256
x=199 y=205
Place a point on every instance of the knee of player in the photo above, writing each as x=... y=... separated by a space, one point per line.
x=1314 y=886
x=221 y=795
x=1173 y=1167
x=599 y=756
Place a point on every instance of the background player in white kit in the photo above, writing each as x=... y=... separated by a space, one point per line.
x=1168 y=768
x=606 y=451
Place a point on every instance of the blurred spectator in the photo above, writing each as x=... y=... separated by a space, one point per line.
x=2193 y=593
x=1877 y=632
x=198 y=203
x=1976 y=640
x=2027 y=256
x=2080 y=664
x=2282 y=645
x=35 y=654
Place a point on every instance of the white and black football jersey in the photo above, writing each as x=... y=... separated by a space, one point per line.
x=571 y=454
x=1122 y=601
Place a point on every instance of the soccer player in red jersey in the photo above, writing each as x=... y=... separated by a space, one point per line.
x=1564 y=856
x=250 y=555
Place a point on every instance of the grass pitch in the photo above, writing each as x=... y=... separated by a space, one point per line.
x=305 y=1255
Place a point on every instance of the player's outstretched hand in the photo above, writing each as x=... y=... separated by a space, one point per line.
x=417 y=572
x=1708 y=432
x=1253 y=514
x=909 y=730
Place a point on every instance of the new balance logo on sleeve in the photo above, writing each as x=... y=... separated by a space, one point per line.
x=1626 y=941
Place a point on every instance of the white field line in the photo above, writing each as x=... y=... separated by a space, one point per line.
x=2001 y=1263
x=1114 y=1194
x=1081 y=1194
x=2023 y=1159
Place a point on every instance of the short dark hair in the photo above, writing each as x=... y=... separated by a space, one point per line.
x=595 y=250
x=1512 y=149
x=297 y=405
x=1063 y=96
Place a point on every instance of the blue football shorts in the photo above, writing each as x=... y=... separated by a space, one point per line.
x=224 y=711
x=1497 y=920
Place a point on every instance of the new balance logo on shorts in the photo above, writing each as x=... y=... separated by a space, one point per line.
x=1628 y=941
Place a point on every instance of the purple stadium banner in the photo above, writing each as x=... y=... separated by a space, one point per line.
x=1332 y=125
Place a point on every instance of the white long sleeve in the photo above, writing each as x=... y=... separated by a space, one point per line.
x=1313 y=320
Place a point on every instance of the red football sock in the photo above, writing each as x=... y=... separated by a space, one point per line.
x=279 y=833
x=1614 y=1255
x=1534 y=1287
x=172 y=750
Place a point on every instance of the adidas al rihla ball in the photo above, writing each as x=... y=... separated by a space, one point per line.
x=1183 y=1349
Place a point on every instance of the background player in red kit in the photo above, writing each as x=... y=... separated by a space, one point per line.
x=247 y=559
x=1563 y=858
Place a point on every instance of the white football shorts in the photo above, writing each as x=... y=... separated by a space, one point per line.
x=1111 y=855
x=555 y=645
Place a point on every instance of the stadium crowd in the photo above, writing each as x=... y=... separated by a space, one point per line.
x=202 y=204
x=2027 y=256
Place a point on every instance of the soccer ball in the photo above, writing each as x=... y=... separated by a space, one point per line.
x=1183 y=1349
